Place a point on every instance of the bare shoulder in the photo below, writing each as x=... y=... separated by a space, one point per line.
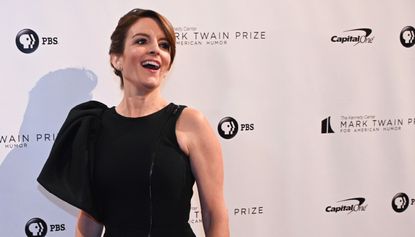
x=191 y=120
x=192 y=128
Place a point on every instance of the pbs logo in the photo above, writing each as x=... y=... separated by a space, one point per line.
x=36 y=227
x=407 y=36
x=228 y=127
x=27 y=41
x=400 y=202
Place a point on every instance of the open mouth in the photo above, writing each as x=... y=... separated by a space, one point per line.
x=151 y=65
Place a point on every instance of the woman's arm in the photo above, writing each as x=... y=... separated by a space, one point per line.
x=87 y=226
x=197 y=139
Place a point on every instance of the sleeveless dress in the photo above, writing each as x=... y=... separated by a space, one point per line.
x=128 y=173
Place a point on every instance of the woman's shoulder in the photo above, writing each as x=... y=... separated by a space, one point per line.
x=89 y=112
x=85 y=109
x=193 y=123
x=191 y=126
x=90 y=105
x=192 y=117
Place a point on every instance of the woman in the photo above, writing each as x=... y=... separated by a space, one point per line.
x=131 y=168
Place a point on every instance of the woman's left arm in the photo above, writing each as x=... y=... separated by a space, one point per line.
x=197 y=139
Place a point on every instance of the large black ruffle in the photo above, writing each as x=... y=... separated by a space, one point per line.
x=68 y=172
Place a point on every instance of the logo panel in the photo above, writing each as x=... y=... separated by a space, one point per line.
x=228 y=127
x=326 y=126
x=348 y=124
x=407 y=36
x=400 y=202
x=349 y=205
x=36 y=227
x=355 y=37
x=27 y=41
x=193 y=36
x=248 y=211
x=23 y=140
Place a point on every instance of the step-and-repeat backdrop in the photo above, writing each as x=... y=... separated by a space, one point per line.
x=313 y=103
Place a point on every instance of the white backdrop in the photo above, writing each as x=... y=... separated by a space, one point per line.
x=275 y=67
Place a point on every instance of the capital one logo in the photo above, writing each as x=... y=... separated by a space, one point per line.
x=228 y=127
x=407 y=36
x=350 y=206
x=356 y=36
x=27 y=41
x=36 y=227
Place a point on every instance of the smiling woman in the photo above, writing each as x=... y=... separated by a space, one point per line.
x=123 y=32
x=146 y=57
x=131 y=168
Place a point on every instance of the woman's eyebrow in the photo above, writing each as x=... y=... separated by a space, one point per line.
x=147 y=35
x=140 y=34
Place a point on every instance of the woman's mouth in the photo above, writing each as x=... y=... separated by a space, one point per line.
x=149 y=64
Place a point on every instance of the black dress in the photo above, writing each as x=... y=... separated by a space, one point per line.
x=128 y=173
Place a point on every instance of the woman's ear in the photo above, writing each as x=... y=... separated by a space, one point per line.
x=116 y=61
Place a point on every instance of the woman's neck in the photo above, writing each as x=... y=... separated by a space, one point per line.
x=135 y=105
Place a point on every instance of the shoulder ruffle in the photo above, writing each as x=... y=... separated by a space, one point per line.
x=68 y=170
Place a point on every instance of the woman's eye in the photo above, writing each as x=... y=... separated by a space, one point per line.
x=165 y=45
x=140 y=41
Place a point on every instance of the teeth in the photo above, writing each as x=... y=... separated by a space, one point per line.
x=151 y=64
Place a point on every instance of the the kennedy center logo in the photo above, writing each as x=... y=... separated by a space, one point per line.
x=326 y=126
x=27 y=41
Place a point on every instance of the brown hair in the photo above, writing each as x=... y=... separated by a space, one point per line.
x=124 y=24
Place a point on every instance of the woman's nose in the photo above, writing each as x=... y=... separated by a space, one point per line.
x=154 y=48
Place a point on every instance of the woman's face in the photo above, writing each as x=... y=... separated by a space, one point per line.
x=146 y=57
